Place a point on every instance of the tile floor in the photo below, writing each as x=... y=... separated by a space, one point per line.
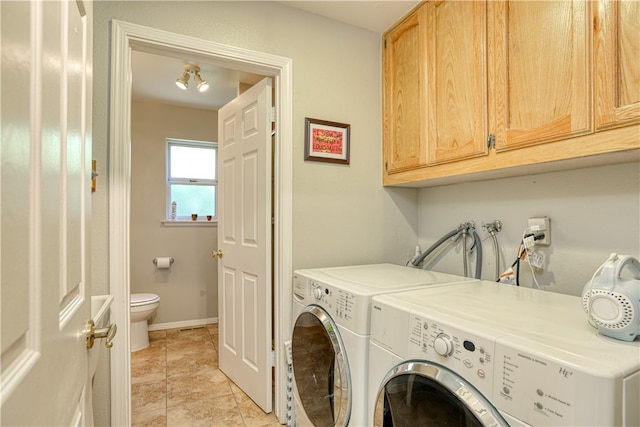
x=176 y=382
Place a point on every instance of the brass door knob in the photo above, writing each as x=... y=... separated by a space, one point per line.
x=92 y=333
x=217 y=254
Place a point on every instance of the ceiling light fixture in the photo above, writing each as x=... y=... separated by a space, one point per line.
x=183 y=81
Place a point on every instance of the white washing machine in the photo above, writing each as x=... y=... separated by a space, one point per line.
x=493 y=354
x=330 y=339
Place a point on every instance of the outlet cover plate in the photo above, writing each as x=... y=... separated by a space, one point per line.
x=543 y=224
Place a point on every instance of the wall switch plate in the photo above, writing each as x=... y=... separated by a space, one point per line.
x=541 y=225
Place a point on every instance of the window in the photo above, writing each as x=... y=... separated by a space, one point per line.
x=192 y=179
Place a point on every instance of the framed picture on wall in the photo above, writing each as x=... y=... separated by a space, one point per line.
x=326 y=141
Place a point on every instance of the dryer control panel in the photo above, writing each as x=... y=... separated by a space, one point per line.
x=346 y=308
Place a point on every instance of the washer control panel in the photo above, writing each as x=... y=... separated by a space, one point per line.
x=545 y=391
x=471 y=356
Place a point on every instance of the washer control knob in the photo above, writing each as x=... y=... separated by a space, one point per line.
x=443 y=345
x=317 y=293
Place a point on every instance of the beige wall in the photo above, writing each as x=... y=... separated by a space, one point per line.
x=341 y=214
x=188 y=290
x=593 y=211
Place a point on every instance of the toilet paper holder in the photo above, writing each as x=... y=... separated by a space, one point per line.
x=155 y=261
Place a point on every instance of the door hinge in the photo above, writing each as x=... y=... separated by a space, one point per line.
x=385 y=43
x=386 y=166
x=273 y=358
x=491 y=141
x=273 y=114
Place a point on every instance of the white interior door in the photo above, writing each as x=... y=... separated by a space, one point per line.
x=45 y=176
x=244 y=237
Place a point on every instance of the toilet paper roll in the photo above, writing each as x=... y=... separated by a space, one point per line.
x=163 y=262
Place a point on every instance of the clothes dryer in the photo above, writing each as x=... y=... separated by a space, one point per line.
x=330 y=338
x=493 y=354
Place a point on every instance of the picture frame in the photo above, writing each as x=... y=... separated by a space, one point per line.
x=327 y=141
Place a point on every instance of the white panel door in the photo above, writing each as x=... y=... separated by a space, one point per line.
x=244 y=237
x=45 y=179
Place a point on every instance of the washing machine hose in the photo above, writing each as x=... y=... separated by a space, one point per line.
x=476 y=243
x=478 y=246
x=416 y=262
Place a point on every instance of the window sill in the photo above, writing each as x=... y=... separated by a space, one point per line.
x=189 y=223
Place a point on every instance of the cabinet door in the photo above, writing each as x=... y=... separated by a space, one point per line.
x=617 y=63
x=456 y=80
x=542 y=80
x=403 y=96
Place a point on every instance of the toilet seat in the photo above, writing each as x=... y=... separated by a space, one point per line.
x=143 y=299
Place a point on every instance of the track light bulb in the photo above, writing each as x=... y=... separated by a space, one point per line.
x=183 y=82
x=201 y=84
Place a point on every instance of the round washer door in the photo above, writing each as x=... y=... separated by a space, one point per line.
x=321 y=369
x=424 y=393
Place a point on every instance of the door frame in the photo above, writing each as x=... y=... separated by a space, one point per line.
x=124 y=38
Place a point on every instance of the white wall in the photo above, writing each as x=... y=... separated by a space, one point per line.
x=188 y=290
x=593 y=211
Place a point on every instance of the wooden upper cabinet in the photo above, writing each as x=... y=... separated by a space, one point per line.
x=617 y=63
x=554 y=84
x=456 y=80
x=403 y=94
x=542 y=80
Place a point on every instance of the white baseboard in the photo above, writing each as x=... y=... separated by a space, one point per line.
x=182 y=324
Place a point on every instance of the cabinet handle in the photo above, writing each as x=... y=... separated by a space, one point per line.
x=491 y=141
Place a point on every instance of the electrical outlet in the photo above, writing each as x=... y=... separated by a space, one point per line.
x=536 y=259
x=539 y=226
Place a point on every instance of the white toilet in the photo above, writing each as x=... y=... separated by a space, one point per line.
x=143 y=307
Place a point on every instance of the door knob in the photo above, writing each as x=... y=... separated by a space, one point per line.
x=92 y=333
x=217 y=254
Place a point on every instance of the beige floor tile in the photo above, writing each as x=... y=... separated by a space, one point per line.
x=194 y=363
x=190 y=388
x=146 y=397
x=219 y=411
x=252 y=414
x=156 y=350
x=157 y=336
x=156 y=418
x=234 y=388
x=177 y=349
x=215 y=338
x=149 y=364
x=195 y=334
x=176 y=382
x=151 y=370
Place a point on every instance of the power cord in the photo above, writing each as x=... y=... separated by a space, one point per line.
x=528 y=241
x=510 y=274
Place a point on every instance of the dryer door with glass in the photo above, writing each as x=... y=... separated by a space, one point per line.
x=320 y=370
x=424 y=393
